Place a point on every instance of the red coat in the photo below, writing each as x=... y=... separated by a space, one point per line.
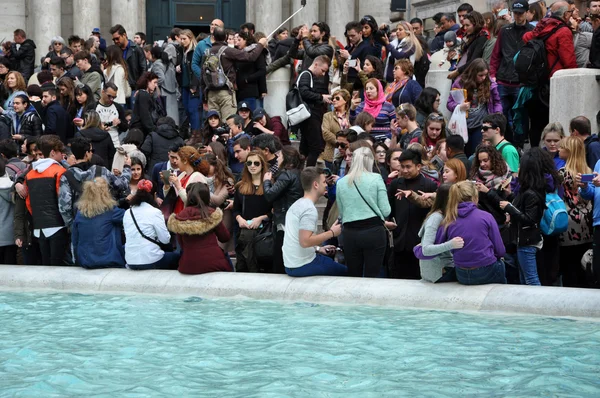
x=198 y=239
x=558 y=46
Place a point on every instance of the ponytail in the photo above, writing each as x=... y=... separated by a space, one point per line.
x=460 y=192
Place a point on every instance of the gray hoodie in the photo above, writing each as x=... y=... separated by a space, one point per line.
x=431 y=270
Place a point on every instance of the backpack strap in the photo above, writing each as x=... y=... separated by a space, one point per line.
x=98 y=171
x=300 y=75
x=73 y=183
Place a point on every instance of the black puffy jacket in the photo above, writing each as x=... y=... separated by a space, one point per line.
x=102 y=143
x=157 y=144
x=23 y=59
x=248 y=77
x=283 y=193
x=510 y=41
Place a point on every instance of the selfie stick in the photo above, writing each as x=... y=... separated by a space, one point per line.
x=284 y=22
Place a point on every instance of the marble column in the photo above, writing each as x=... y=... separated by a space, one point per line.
x=308 y=16
x=339 y=13
x=86 y=16
x=125 y=12
x=142 y=16
x=46 y=16
x=250 y=13
x=267 y=15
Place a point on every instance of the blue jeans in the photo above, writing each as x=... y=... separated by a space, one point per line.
x=192 y=104
x=508 y=97
x=482 y=276
x=169 y=261
x=528 y=265
x=475 y=138
x=321 y=265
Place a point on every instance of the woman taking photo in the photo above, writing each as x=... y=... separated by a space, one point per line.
x=167 y=81
x=473 y=43
x=15 y=85
x=527 y=209
x=333 y=122
x=206 y=134
x=403 y=89
x=435 y=260
x=102 y=143
x=85 y=102
x=363 y=205
x=427 y=103
x=193 y=168
x=479 y=261
x=199 y=228
x=96 y=231
x=482 y=99
x=251 y=210
x=190 y=85
x=372 y=68
x=405 y=46
x=454 y=171
x=249 y=73
x=116 y=72
x=577 y=239
x=145 y=232
x=282 y=191
x=148 y=108
x=552 y=136
x=375 y=105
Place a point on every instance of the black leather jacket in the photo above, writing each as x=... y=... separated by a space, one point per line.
x=286 y=190
x=526 y=212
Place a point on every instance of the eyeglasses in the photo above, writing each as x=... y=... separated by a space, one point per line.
x=112 y=97
x=256 y=163
x=58 y=44
x=116 y=39
x=340 y=145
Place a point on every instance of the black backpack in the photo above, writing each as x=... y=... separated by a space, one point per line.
x=531 y=62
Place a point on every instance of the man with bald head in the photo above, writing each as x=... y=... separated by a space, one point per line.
x=203 y=46
x=561 y=55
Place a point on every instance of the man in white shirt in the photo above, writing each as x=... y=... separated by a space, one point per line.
x=112 y=115
x=301 y=254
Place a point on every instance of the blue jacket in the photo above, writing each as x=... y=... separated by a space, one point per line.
x=478 y=228
x=198 y=54
x=97 y=241
x=593 y=193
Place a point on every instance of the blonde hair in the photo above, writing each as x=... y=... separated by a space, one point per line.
x=554 y=127
x=414 y=42
x=362 y=162
x=192 y=38
x=576 y=162
x=95 y=198
x=464 y=191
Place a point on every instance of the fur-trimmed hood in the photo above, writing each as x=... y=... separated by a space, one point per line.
x=190 y=222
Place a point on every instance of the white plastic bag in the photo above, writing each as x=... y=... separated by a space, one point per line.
x=458 y=124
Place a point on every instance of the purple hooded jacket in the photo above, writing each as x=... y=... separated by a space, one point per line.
x=479 y=230
x=494 y=104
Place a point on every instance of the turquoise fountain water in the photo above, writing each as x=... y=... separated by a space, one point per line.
x=138 y=346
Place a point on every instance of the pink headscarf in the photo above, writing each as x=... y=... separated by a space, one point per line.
x=373 y=107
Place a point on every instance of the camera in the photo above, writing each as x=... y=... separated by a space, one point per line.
x=108 y=124
x=224 y=205
x=379 y=34
x=221 y=130
x=327 y=172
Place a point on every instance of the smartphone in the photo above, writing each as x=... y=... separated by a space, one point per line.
x=352 y=63
x=587 y=177
x=166 y=174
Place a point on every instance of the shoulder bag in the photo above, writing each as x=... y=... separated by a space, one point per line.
x=166 y=247
x=389 y=232
x=297 y=110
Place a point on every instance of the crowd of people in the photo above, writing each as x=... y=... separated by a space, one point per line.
x=162 y=156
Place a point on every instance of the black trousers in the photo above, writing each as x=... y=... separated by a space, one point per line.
x=548 y=265
x=8 y=255
x=539 y=116
x=53 y=248
x=596 y=259
x=573 y=274
x=311 y=140
x=406 y=266
x=278 y=267
x=364 y=250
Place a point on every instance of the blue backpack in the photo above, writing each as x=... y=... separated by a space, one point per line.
x=555 y=219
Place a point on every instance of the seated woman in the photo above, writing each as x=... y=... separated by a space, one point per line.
x=479 y=262
x=434 y=257
x=96 y=234
x=198 y=228
x=376 y=105
x=146 y=233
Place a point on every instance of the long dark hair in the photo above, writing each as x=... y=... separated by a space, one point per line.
x=424 y=102
x=377 y=66
x=478 y=24
x=441 y=199
x=535 y=165
x=142 y=196
x=499 y=166
x=158 y=53
x=198 y=196
x=222 y=173
x=84 y=89
x=114 y=56
x=292 y=160
x=469 y=81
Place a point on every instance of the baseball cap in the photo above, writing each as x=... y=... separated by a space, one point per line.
x=96 y=30
x=210 y=114
x=244 y=105
x=520 y=6
x=258 y=114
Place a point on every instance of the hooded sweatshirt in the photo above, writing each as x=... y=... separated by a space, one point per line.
x=483 y=243
x=102 y=143
x=157 y=144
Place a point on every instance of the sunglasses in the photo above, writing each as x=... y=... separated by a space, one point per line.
x=256 y=163
x=337 y=98
x=340 y=145
x=486 y=128
x=112 y=97
x=116 y=39
x=435 y=117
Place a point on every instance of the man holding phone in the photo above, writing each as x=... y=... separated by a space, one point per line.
x=163 y=170
x=358 y=49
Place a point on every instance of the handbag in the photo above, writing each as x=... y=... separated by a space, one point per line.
x=263 y=242
x=166 y=247
x=168 y=205
x=296 y=109
x=389 y=232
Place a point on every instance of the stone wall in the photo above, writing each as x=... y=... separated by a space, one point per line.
x=575 y=92
x=14 y=14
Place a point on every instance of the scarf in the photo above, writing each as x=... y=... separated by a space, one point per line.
x=373 y=107
x=393 y=87
x=343 y=120
x=490 y=180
